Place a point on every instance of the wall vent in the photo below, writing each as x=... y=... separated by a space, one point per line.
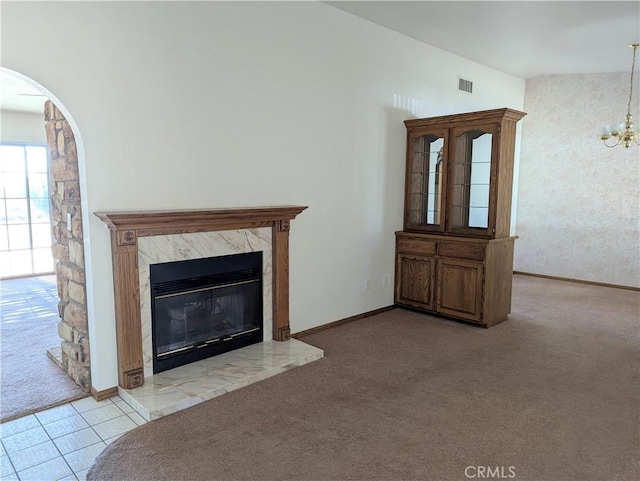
x=465 y=85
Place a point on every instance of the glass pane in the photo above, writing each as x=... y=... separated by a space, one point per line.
x=471 y=178
x=19 y=236
x=5 y=264
x=42 y=260
x=37 y=159
x=425 y=201
x=12 y=158
x=4 y=238
x=24 y=198
x=38 y=185
x=15 y=186
x=41 y=235
x=479 y=195
x=478 y=216
x=20 y=262
x=189 y=319
x=17 y=211
x=40 y=210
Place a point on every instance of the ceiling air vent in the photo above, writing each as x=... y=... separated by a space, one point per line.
x=465 y=85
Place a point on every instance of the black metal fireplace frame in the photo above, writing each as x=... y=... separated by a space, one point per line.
x=212 y=272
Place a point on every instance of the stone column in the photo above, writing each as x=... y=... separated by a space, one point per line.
x=68 y=249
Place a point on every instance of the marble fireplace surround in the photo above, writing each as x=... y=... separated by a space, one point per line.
x=144 y=237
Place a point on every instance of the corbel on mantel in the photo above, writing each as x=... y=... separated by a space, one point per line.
x=127 y=227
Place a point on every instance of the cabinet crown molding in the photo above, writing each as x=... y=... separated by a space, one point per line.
x=466 y=118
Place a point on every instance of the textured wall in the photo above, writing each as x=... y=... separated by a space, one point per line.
x=578 y=210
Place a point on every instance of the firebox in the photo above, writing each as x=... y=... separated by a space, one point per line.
x=205 y=307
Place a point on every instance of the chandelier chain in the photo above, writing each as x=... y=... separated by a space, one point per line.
x=633 y=65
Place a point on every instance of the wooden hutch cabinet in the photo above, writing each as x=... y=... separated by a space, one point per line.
x=454 y=256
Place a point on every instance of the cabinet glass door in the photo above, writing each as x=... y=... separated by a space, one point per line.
x=426 y=182
x=471 y=181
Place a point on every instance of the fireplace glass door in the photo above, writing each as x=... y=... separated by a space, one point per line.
x=198 y=316
x=208 y=315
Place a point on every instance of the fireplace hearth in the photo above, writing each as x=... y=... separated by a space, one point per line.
x=205 y=307
x=140 y=240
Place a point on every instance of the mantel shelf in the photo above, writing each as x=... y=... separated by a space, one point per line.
x=159 y=221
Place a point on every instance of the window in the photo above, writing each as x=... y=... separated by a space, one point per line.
x=25 y=221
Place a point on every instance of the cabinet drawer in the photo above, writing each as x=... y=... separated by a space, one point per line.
x=416 y=246
x=459 y=250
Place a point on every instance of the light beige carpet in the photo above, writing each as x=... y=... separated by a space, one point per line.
x=29 y=380
x=552 y=394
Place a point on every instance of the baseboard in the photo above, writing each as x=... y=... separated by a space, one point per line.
x=580 y=281
x=102 y=395
x=329 y=325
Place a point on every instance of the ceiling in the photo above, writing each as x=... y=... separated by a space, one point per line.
x=19 y=96
x=523 y=38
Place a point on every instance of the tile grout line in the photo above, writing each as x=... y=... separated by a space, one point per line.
x=10 y=460
x=54 y=444
x=91 y=426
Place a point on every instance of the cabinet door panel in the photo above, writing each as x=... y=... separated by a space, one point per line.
x=472 y=175
x=459 y=292
x=415 y=281
x=425 y=182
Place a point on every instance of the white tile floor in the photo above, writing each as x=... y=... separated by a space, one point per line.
x=61 y=443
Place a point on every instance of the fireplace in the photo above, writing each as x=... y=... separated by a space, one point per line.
x=140 y=239
x=204 y=307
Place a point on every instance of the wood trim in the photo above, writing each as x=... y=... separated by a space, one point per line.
x=127 y=227
x=504 y=163
x=580 y=281
x=498 y=283
x=162 y=221
x=105 y=394
x=339 y=322
x=126 y=293
x=463 y=119
x=422 y=236
x=280 y=278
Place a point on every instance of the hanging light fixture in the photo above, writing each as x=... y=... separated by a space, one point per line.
x=623 y=134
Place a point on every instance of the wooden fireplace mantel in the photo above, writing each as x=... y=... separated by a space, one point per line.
x=127 y=227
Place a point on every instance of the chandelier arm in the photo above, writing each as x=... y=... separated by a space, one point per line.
x=604 y=141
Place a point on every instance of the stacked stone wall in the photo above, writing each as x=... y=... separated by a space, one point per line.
x=68 y=248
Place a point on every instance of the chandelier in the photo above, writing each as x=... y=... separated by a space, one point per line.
x=623 y=134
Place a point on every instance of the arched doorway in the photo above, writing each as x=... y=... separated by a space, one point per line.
x=68 y=254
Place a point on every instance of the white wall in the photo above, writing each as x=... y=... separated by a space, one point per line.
x=22 y=127
x=216 y=104
x=578 y=205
